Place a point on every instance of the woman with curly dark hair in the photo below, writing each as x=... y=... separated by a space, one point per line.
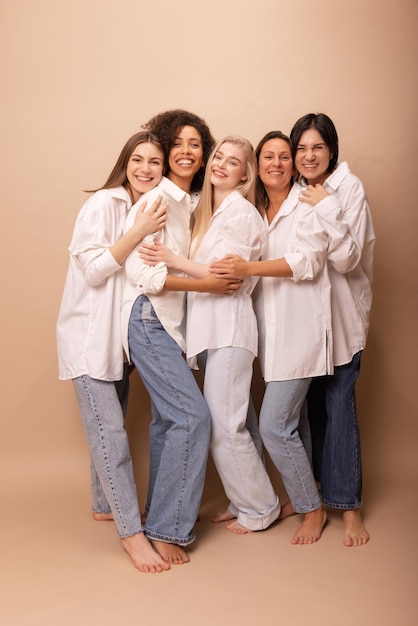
x=170 y=127
x=153 y=327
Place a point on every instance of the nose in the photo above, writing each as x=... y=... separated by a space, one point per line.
x=146 y=166
x=309 y=154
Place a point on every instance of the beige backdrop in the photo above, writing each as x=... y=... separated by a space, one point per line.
x=78 y=77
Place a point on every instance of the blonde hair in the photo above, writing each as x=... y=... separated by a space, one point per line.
x=204 y=210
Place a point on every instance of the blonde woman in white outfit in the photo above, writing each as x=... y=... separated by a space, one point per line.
x=222 y=332
x=293 y=305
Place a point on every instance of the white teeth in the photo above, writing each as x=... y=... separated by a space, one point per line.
x=185 y=162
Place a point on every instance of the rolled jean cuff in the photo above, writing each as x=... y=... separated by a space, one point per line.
x=180 y=542
x=259 y=522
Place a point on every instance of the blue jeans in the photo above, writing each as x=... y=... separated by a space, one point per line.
x=280 y=416
x=113 y=481
x=99 y=500
x=180 y=428
x=335 y=436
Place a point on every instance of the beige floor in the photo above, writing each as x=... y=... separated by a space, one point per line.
x=59 y=567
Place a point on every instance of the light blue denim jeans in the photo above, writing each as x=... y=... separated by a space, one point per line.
x=180 y=428
x=113 y=481
x=280 y=416
x=99 y=501
x=336 y=436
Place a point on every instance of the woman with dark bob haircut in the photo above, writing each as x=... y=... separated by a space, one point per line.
x=166 y=126
x=331 y=188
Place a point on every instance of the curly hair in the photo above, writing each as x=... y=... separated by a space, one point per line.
x=166 y=126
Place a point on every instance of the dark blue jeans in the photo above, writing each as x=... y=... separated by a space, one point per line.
x=336 y=451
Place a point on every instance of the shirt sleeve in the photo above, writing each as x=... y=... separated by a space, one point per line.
x=94 y=234
x=309 y=253
x=346 y=227
x=145 y=278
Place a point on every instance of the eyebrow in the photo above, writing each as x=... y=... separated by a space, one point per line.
x=318 y=143
x=230 y=157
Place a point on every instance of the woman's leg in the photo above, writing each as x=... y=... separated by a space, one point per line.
x=279 y=427
x=180 y=479
x=101 y=508
x=341 y=472
x=108 y=441
x=227 y=382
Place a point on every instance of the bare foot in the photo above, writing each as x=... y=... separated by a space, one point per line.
x=311 y=528
x=286 y=510
x=143 y=555
x=226 y=516
x=355 y=533
x=171 y=552
x=236 y=527
x=102 y=517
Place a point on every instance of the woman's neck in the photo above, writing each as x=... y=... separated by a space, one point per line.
x=276 y=199
x=219 y=196
x=183 y=183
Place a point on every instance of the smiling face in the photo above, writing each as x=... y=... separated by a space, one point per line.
x=312 y=157
x=275 y=165
x=186 y=157
x=228 y=167
x=145 y=169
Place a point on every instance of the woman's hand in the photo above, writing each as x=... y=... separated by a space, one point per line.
x=313 y=195
x=231 y=266
x=220 y=286
x=148 y=222
x=153 y=253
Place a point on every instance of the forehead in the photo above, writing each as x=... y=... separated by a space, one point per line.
x=148 y=149
x=276 y=145
x=231 y=149
x=188 y=132
x=311 y=136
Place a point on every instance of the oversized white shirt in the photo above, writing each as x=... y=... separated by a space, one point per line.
x=351 y=293
x=216 y=321
x=145 y=279
x=88 y=327
x=294 y=314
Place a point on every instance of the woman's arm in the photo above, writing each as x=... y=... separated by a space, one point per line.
x=146 y=223
x=344 y=248
x=208 y=284
x=154 y=253
x=93 y=243
x=233 y=266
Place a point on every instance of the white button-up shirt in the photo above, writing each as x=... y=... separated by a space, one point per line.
x=216 y=321
x=145 y=279
x=88 y=328
x=351 y=293
x=294 y=314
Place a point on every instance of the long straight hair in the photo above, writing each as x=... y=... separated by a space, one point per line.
x=204 y=211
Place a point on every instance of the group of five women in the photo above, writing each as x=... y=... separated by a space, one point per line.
x=180 y=216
